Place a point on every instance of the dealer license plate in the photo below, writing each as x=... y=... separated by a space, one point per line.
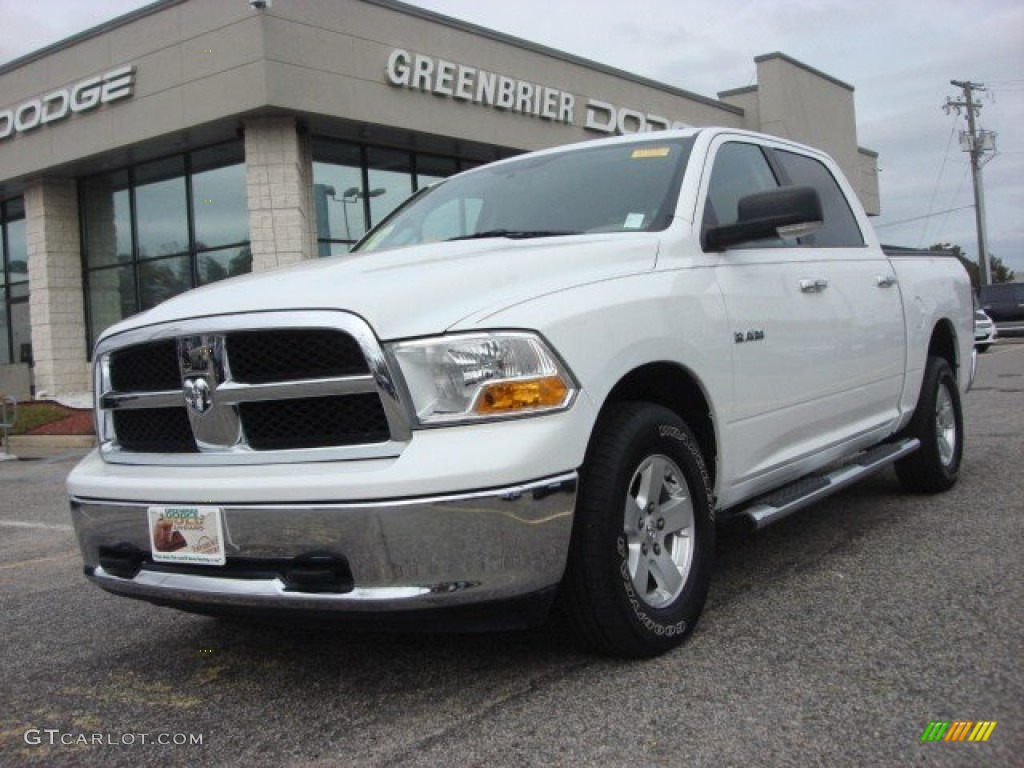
x=183 y=534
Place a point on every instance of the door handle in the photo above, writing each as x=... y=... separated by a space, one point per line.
x=885 y=281
x=813 y=285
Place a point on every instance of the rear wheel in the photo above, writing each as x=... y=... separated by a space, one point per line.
x=643 y=540
x=938 y=423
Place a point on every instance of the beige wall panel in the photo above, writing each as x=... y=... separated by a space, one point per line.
x=226 y=93
x=203 y=16
x=22 y=83
x=867 y=188
x=145 y=36
x=289 y=42
x=798 y=104
x=221 y=50
x=66 y=66
x=155 y=73
x=747 y=100
x=150 y=116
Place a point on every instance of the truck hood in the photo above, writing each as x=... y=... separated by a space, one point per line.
x=419 y=290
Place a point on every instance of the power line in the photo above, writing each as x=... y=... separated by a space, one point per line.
x=918 y=218
x=955 y=197
x=935 y=191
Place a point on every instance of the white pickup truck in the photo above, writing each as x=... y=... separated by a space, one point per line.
x=537 y=385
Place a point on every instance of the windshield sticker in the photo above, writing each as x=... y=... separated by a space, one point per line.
x=640 y=154
x=634 y=221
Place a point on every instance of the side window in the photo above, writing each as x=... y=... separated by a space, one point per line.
x=840 y=229
x=739 y=170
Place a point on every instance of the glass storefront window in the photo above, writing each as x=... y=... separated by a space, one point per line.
x=21 y=325
x=354 y=187
x=158 y=229
x=161 y=205
x=430 y=168
x=219 y=197
x=17 y=252
x=15 y=341
x=106 y=205
x=160 y=279
x=229 y=262
x=390 y=180
x=110 y=296
x=337 y=194
x=5 y=330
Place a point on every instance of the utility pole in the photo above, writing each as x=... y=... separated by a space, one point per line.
x=977 y=143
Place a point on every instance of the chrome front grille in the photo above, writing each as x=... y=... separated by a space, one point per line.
x=149 y=367
x=159 y=430
x=248 y=389
x=314 y=422
x=261 y=357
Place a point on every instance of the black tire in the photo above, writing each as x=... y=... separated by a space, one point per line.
x=938 y=422
x=983 y=347
x=620 y=596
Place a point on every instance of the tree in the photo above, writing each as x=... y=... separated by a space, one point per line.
x=1000 y=272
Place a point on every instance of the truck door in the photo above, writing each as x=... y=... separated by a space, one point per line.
x=863 y=292
x=784 y=331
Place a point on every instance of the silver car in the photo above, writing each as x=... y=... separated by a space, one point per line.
x=985 y=333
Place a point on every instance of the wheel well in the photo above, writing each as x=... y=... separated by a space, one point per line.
x=674 y=388
x=943 y=344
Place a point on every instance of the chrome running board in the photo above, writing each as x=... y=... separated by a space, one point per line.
x=766 y=510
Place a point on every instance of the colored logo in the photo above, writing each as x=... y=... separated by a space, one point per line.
x=958 y=730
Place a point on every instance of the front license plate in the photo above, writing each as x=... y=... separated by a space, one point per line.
x=193 y=535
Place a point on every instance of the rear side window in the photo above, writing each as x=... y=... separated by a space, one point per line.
x=840 y=229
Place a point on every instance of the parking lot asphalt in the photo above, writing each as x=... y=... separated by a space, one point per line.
x=832 y=638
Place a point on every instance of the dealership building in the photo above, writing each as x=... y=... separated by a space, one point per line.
x=191 y=141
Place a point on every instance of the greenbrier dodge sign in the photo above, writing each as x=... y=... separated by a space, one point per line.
x=419 y=72
x=83 y=96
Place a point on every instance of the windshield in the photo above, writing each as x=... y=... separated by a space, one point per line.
x=629 y=187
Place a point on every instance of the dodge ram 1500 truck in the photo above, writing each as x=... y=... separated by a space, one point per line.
x=535 y=387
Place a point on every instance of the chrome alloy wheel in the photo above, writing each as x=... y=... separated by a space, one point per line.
x=659 y=529
x=945 y=425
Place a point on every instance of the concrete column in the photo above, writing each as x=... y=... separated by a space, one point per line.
x=56 y=300
x=279 y=174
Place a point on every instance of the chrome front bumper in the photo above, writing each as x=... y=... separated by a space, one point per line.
x=458 y=550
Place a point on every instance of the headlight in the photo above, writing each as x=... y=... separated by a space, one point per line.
x=482 y=376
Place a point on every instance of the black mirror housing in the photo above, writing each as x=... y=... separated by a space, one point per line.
x=764 y=214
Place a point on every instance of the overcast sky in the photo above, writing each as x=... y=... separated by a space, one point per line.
x=899 y=55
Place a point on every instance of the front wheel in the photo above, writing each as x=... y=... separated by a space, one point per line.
x=938 y=423
x=643 y=541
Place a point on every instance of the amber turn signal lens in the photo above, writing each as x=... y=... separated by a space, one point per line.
x=511 y=396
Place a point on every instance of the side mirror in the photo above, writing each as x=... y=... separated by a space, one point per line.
x=783 y=212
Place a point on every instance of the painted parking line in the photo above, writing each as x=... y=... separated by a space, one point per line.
x=36 y=526
x=38 y=560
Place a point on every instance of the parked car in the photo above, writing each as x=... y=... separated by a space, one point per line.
x=985 y=333
x=1004 y=303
